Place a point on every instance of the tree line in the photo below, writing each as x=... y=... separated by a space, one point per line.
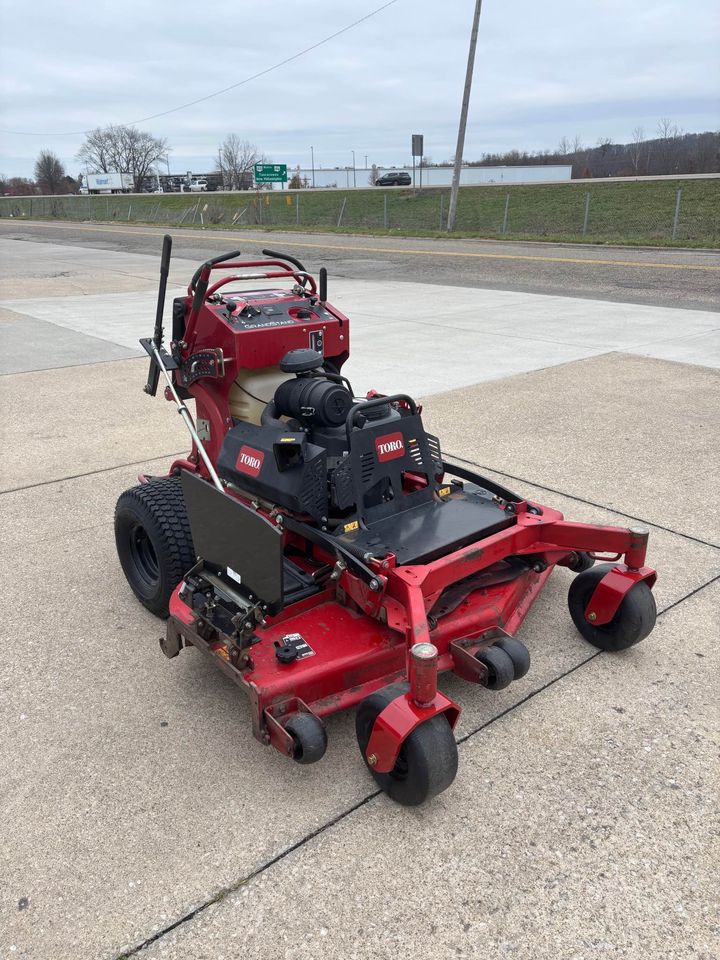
x=126 y=149
x=669 y=152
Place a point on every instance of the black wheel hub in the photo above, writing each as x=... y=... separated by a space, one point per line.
x=143 y=556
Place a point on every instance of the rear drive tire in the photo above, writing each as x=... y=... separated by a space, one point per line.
x=310 y=737
x=154 y=542
x=428 y=759
x=501 y=671
x=634 y=620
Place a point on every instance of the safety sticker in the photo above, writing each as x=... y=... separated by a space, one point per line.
x=299 y=643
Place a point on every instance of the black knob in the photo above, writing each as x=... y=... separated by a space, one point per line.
x=286 y=654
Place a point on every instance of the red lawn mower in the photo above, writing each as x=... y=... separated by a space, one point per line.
x=319 y=548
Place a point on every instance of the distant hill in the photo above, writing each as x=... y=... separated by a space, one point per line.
x=671 y=153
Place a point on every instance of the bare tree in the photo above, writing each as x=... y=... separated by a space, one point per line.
x=638 y=136
x=666 y=128
x=20 y=187
x=123 y=150
x=50 y=173
x=237 y=158
x=577 y=146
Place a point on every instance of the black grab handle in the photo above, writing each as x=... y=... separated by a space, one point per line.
x=376 y=402
x=211 y=263
x=285 y=256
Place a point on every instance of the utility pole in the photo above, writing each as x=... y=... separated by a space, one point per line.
x=463 y=119
x=354 y=179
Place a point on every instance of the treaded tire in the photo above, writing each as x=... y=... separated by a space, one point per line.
x=633 y=621
x=310 y=736
x=153 y=539
x=518 y=653
x=428 y=759
x=500 y=667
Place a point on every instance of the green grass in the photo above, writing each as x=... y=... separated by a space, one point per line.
x=619 y=212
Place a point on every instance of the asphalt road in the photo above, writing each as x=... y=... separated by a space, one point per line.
x=657 y=277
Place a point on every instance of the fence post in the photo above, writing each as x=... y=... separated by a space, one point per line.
x=587 y=211
x=677 y=214
x=386 y=222
x=129 y=210
x=505 y=215
x=297 y=208
x=442 y=210
x=342 y=211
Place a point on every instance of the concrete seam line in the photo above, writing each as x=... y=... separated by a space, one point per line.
x=83 y=363
x=90 y=473
x=409 y=252
x=226 y=891
x=590 y=503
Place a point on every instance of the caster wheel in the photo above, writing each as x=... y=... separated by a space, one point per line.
x=518 y=653
x=428 y=759
x=580 y=561
x=501 y=670
x=310 y=736
x=633 y=621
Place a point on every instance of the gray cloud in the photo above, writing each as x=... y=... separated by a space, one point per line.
x=543 y=71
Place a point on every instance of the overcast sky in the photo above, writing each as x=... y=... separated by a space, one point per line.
x=543 y=71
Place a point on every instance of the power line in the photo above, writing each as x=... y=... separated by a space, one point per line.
x=217 y=93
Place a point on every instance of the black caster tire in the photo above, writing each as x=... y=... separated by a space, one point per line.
x=518 y=653
x=633 y=621
x=428 y=759
x=580 y=561
x=309 y=735
x=500 y=667
x=154 y=542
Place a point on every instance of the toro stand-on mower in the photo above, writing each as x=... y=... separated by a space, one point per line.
x=319 y=548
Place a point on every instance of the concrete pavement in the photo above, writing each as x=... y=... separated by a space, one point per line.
x=649 y=275
x=135 y=799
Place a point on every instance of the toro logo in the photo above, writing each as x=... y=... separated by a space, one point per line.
x=390 y=447
x=249 y=461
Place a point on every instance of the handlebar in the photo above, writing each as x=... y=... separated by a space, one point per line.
x=299 y=276
x=287 y=257
x=376 y=402
x=210 y=264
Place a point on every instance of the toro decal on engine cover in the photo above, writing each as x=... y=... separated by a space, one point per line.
x=249 y=461
x=390 y=447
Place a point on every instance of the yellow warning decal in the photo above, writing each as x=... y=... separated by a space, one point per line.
x=287 y=440
x=349 y=527
x=444 y=492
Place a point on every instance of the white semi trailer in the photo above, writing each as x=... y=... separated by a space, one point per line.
x=110 y=182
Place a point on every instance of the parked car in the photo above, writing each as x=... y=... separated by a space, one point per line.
x=395 y=178
x=198 y=186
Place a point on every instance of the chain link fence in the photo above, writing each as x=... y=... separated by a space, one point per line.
x=652 y=213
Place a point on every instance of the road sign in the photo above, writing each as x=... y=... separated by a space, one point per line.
x=271 y=173
x=417 y=144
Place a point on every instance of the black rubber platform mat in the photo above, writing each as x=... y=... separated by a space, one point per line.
x=431 y=530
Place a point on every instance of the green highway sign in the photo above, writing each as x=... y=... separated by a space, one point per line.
x=271 y=173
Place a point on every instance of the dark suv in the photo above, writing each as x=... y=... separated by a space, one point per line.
x=394 y=179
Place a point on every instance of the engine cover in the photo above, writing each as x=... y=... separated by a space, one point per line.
x=277 y=465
